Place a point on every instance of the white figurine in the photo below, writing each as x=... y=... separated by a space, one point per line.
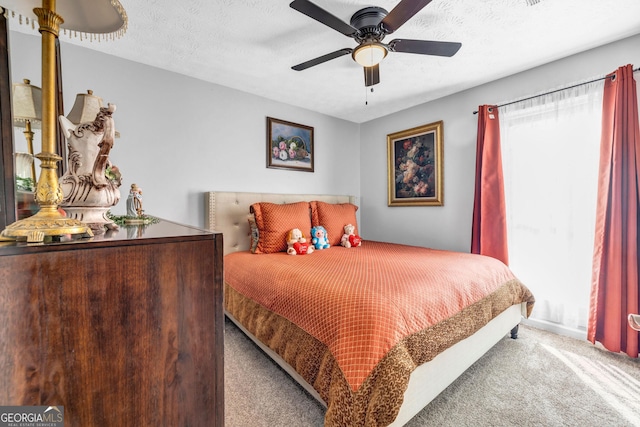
x=134 y=201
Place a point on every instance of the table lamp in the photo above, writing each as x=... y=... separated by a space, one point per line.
x=27 y=113
x=90 y=19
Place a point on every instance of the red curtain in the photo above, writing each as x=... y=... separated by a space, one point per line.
x=614 y=291
x=489 y=233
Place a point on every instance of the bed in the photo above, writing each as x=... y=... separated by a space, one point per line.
x=373 y=332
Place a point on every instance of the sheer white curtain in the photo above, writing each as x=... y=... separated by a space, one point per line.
x=550 y=151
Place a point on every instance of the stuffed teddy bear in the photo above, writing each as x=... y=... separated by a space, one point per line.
x=350 y=238
x=297 y=244
x=319 y=237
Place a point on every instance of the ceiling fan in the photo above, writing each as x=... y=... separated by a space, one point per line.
x=368 y=27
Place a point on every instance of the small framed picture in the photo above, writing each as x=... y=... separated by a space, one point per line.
x=289 y=145
x=415 y=162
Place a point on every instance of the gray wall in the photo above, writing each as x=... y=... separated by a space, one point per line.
x=449 y=226
x=181 y=136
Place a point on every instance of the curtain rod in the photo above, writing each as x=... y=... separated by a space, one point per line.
x=554 y=91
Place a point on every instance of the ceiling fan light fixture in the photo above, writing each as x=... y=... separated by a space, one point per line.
x=369 y=54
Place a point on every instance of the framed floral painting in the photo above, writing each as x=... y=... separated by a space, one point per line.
x=415 y=161
x=289 y=145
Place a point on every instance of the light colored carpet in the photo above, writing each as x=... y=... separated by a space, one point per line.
x=540 y=379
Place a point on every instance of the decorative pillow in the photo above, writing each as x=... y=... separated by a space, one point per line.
x=253 y=232
x=333 y=217
x=274 y=221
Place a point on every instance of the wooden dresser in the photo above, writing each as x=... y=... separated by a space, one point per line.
x=125 y=329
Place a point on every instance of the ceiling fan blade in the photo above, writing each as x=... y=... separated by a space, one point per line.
x=322 y=16
x=321 y=59
x=424 y=47
x=372 y=75
x=401 y=14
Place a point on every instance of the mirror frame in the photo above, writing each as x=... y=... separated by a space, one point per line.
x=7 y=181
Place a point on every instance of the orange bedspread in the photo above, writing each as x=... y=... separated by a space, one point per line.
x=360 y=302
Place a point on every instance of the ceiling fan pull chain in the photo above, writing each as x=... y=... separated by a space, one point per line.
x=366 y=95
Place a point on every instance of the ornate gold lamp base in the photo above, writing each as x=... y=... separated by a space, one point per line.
x=45 y=223
x=48 y=222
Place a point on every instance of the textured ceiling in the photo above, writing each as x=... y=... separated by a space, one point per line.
x=251 y=45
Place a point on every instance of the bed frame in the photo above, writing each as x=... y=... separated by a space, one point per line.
x=227 y=212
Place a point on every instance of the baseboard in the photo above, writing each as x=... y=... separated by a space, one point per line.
x=556 y=328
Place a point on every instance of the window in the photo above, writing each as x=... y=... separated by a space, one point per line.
x=550 y=151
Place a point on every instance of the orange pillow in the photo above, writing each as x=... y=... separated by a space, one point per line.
x=274 y=221
x=333 y=217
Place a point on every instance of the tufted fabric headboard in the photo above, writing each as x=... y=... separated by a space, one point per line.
x=227 y=212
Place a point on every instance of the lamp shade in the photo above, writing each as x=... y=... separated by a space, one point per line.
x=369 y=54
x=85 y=108
x=81 y=16
x=27 y=104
